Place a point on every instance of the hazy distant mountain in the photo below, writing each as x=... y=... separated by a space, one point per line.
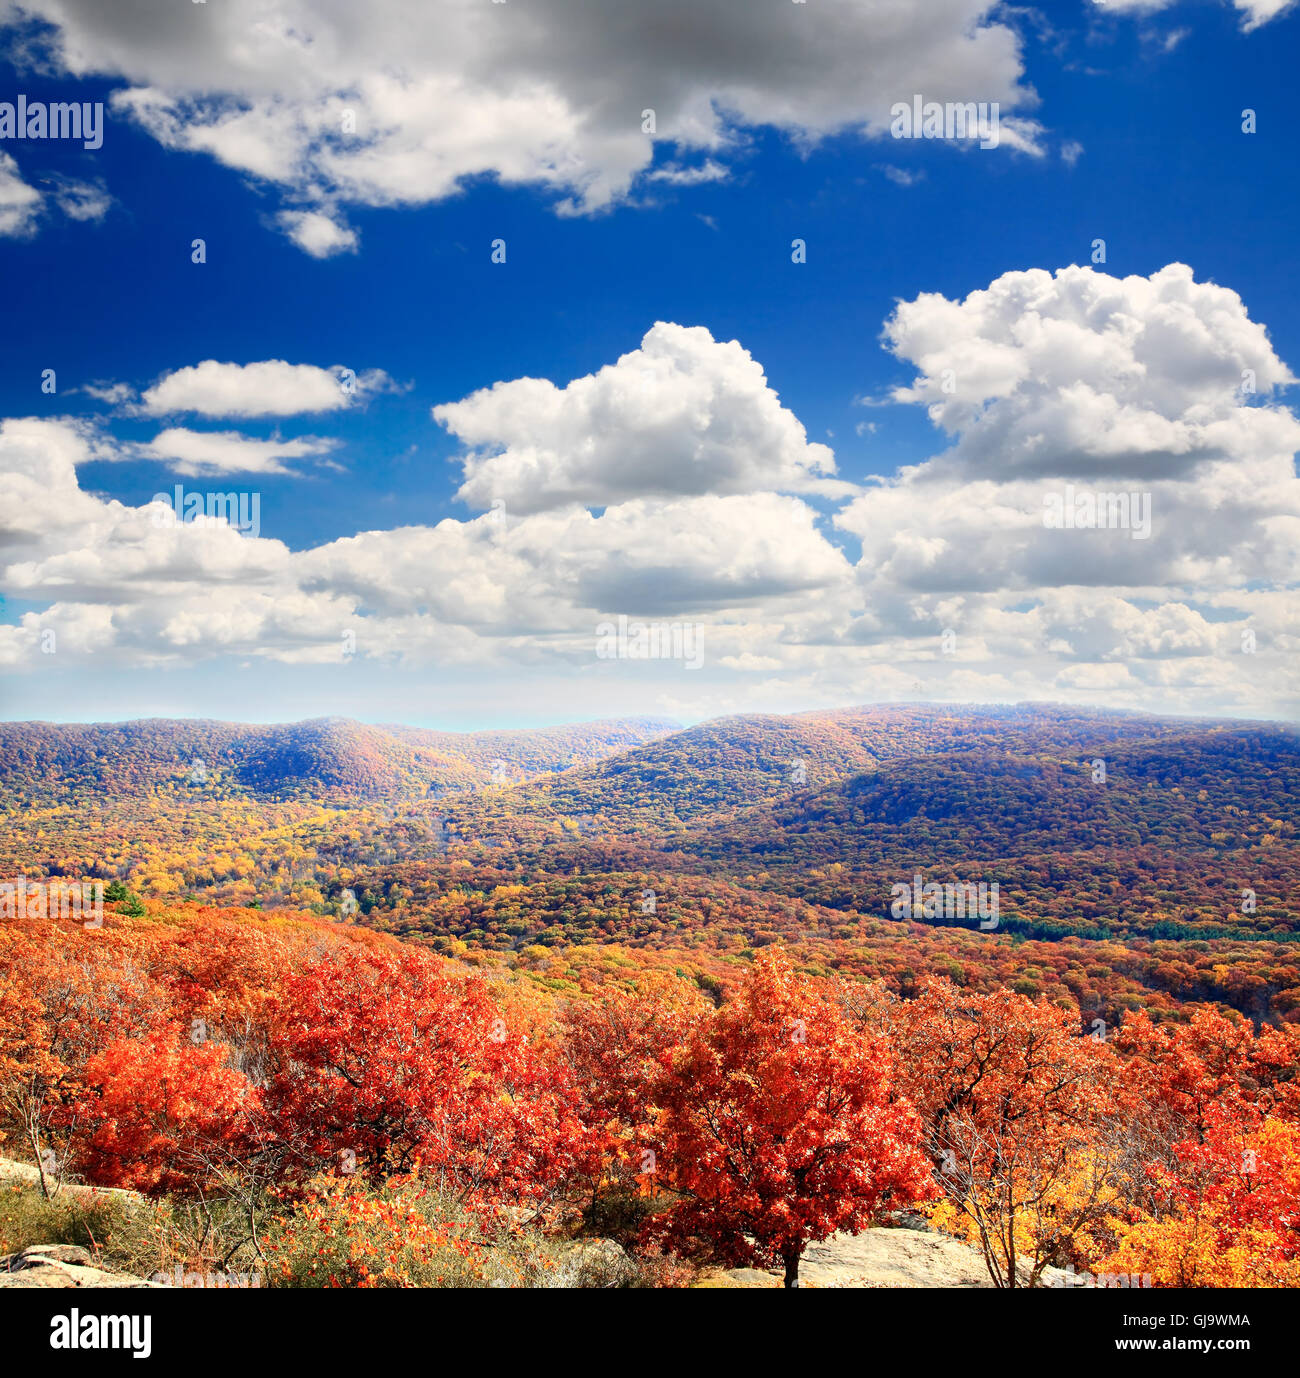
x=1190 y=830
x=1203 y=787
x=719 y=766
x=327 y=756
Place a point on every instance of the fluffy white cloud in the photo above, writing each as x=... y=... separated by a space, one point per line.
x=83 y=627
x=559 y=570
x=20 y=205
x=1257 y=12
x=195 y=453
x=1122 y=399
x=182 y=590
x=1253 y=12
x=682 y=415
x=962 y=589
x=59 y=542
x=1081 y=373
x=270 y=388
x=81 y=200
x=1084 y=626
x=111 y=394
x=142 y=557
x=389 y=104
x=320 y=235
x=39 y=494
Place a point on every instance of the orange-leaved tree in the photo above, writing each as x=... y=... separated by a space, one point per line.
x=615 y=1043
x=1227 y=1214
x=1020 y=1118
x=394 y=1065
x=779 y=1125
x=165 y=1115
x=65 y=994
x=1217 y=1202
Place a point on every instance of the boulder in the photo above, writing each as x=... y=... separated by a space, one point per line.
x=61 y=1265
x=887 y=1257
x=593 y=1263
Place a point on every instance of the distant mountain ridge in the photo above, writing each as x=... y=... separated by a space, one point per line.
x=732 y=826
x=734 y=763
x=1090 y=821
x=631 y=768
x=335 y=757
x=1198 y=789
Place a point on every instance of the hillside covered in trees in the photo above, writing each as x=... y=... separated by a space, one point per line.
x=598 y=933
x=1170 y=842
x=328 y=757
x=315 y=1104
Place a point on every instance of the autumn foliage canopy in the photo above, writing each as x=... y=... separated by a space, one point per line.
x=294 y=1065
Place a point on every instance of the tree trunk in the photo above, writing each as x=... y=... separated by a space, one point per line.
x=34 y=1135
x=791 y=1262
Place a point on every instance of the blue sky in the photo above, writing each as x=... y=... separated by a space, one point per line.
x=1135 y=137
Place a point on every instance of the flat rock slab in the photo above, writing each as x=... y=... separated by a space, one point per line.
x=11 y=1170
x=882 y=1258
x=60 y=1265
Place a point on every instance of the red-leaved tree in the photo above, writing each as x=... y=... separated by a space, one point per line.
x=779 y=1125
x=391 y=1064
x=165 y=1115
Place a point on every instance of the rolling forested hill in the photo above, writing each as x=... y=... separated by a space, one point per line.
x=1148 y=860
x=327 y=757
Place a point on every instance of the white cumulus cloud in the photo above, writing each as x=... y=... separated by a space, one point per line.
x=394 y=104
x=196 y=453
x=269 y=388
x=684 y=414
